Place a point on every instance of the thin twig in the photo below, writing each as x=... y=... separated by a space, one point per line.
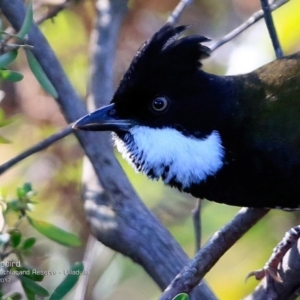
x=252 y=20
x=196 y=213
x=36 y=148
x=82 y=285
x=174 y=16
x=53 y=12
x=271 y=28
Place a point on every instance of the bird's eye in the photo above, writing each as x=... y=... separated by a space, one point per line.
x=160 y=104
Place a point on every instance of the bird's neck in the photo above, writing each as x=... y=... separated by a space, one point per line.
x=237 y=98
x=227 y=94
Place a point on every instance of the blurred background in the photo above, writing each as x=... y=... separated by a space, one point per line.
x=56 y=172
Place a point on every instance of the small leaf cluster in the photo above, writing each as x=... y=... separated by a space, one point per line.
x=9 y=52
x=14 y=247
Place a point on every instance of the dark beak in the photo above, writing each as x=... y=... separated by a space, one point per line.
x=103 y=119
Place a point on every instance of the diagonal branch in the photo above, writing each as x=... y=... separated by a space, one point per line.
x=36 y=148
x=175 y=14
x=205 y=259
x=251 y=21
x=53 y=11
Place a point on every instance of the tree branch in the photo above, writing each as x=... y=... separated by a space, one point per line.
x=205 y=259
x=174 y=16
x=36 y=148
x=53 y=12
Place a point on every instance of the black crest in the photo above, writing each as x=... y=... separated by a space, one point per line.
x=165 y=51
x=166 y=46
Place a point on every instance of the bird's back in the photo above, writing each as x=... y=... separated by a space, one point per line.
x=263 y=148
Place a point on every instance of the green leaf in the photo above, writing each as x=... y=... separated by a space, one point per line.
x=15 y=238
x=181 y=296
x=40 y=74
x=28 y=243
x=4 y=140
x=32 y=274
x=16 y=296
x=55 y=233
x=7 y=58
x=10 y=75
x=33 y=287
x=25 y=192
x=27 y=187
x=14 y=205
x=30 y=294
x=68 y=283
x=27 y=21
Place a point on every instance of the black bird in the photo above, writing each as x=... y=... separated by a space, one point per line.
x=229 y=139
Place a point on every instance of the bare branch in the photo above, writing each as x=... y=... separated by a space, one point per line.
x=53 y=12
x=252 y=20
x=36 y=148
x=204 y=260
x=174 y=16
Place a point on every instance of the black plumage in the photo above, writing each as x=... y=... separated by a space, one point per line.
x=250 y=123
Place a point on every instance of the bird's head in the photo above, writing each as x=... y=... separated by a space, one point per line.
x=165 y=112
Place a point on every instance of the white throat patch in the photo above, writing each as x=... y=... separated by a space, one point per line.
x=169 y=154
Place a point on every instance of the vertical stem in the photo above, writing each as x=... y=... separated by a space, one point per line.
x=271 y=28
x=196 y=212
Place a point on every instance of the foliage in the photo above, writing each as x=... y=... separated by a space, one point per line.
x=14 y=244
x=11 y=53
x=67 y=284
